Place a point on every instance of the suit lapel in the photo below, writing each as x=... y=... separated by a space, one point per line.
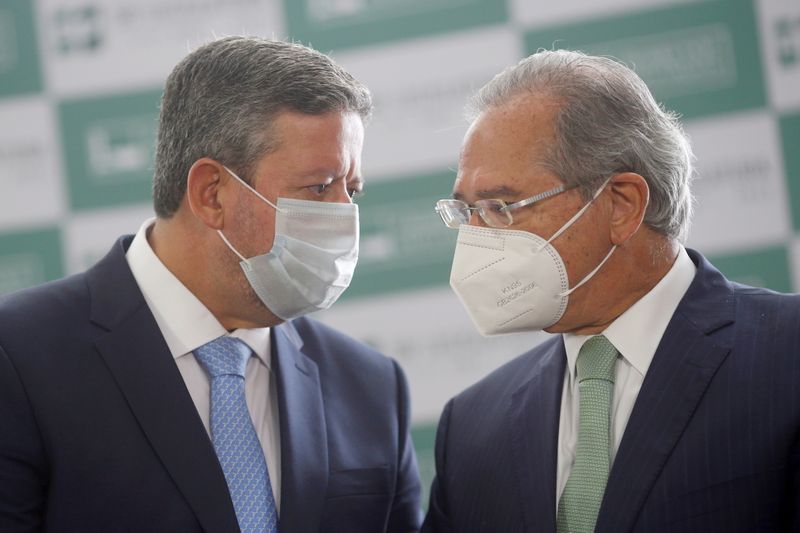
x=686 y=360
x=304 y=443
x=535 y=413
x=137 y=356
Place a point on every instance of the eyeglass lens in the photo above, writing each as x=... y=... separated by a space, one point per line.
x=455 y=212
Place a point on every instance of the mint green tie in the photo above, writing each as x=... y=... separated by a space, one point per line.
x=583 y=494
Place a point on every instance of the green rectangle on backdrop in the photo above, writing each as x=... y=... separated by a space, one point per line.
x=424 y=437
x=20 y=68
x=404 y=244
x=767 y=267
x=698 y=59
x=790 y=140
x=30 y=257
x=109 y=146
x=329 y=25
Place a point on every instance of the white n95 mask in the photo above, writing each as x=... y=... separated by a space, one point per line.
x=313 y=255
x=512 y=280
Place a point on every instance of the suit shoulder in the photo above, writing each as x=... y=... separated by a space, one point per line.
x=322 y=342
x=756 y=300
x=510 y=376
x=748 y=291
x=35 y=306
x=349 y=370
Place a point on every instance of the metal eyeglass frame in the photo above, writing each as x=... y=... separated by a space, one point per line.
x=506 y=208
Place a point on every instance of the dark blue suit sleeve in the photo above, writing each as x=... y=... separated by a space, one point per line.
x=406 y=513
x=437 y=519
x=22 y=464
x=794 y=489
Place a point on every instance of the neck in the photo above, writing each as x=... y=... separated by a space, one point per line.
x=632 y=272
x=179 y=249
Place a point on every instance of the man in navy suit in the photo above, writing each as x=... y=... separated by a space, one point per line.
x=669 y=401
x=108 y=420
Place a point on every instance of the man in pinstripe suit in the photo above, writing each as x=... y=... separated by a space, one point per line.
x=572 y=200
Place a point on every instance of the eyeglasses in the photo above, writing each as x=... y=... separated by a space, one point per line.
x=494 y=212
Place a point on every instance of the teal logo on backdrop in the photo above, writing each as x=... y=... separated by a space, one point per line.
x=109 y=146
x=19 y=53
x=333 y=24
x=790 y=139
x=768 y=267
x=29 y=258
x=404 y=244
x=787 y=33
x=77 y=29
x=698 y=59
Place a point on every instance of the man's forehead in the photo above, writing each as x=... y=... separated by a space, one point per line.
x=486 y=179
x=328 y=127
x=519 y=116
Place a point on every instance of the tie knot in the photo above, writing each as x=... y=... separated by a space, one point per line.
x=224 y=356
x=596 y=359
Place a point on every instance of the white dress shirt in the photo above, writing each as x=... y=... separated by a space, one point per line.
x=635 y=334
x=187 y=324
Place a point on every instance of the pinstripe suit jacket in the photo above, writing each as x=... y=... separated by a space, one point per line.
x=712 y=444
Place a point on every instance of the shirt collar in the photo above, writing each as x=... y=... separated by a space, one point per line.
x=637 y=332
x=184 y=321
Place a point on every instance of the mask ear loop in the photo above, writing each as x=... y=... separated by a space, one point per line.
x=252 y=190
x=566 y=226
x=230 y=245
x=589 y=276
x=576 y=216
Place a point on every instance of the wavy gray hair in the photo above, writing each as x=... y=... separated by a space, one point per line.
x=607 y=122
x=219 y=102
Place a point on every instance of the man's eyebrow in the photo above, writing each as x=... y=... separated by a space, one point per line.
x=316 y=174
x=498 y=192
x=501 y=191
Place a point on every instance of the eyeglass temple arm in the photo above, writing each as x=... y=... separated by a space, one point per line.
x=536 y=198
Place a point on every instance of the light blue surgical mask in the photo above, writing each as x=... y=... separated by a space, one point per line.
x=313 y=255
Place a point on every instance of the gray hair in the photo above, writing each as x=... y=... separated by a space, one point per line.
x=219 y=102
x=607 y=122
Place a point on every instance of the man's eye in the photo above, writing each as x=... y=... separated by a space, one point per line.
x=355 y=193
x=320 y=188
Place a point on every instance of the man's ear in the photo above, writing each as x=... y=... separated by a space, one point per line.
x=630 y=196
x=205 y=191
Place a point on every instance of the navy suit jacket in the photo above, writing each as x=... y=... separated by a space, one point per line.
x=98 y=431
x=712 y=444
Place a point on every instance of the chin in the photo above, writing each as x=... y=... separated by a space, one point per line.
x=555 y=328
x=263 y=316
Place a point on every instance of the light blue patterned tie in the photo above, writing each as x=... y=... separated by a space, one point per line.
x=580 y=502
x=235 y=440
